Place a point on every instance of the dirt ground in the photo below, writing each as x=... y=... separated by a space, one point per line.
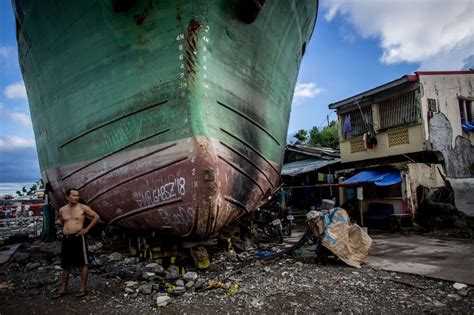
x=119 y=284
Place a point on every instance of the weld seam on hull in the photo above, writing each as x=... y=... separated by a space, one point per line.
x=234 y=201
x=126 y=163
x=250 y=120
x=111 y=121
x=135 y=177
x=144 y=209
x=251 y=148
x=114 y=152
x=248 y=160
x=237 y=168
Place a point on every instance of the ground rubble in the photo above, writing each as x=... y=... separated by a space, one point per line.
x=20 y=228
x=119 y=283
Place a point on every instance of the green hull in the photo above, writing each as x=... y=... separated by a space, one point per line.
x=106 y=83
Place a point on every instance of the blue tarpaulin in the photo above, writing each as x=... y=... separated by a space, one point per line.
x=379 y=178
x=468 y=126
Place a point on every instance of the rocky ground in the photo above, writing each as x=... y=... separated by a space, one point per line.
x=298 y=284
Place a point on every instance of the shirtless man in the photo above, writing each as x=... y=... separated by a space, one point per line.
x=74 y=246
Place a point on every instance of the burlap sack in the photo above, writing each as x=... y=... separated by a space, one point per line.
x=347 y=241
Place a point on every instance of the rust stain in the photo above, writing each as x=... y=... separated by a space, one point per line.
x=178 y=13
x=140 y=18
x=185 y=197
x=191 y=49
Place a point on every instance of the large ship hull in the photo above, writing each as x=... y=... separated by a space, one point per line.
x=168 y=116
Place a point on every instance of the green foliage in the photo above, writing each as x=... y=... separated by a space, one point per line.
x=33 y=188
x=40 y=184
x=28 y=192
x=328 y=137
x=314 y=138
x=301 y=137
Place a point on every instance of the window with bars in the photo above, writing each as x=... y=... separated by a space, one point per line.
x=398 y=111
x=356 y=122
x=466 y=111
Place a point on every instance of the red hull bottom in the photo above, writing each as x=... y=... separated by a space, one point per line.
x=190 y=188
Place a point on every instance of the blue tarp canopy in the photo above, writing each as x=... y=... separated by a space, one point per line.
x=379 y=178
x=468 y=126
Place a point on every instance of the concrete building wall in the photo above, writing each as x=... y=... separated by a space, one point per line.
x=458 y=157
x=446 y=89
x=443 y=130
x=463 y=194
x=430 y=176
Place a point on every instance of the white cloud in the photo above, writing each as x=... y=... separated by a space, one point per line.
x=439 y=34
x=22 y=118
x=17 y=116
x=6 y=52
x=16 y=90
x=305 y=91
x=13 y=143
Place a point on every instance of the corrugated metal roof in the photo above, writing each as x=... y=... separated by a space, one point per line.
x=314 y=151
x=305 y=166
x=386 y=86
x=392 y=84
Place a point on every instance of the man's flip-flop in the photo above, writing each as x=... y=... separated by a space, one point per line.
x=59 y=295
x=81 y=294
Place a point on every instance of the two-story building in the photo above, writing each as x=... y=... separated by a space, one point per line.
x=421 y=126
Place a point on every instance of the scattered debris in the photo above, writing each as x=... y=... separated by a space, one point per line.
x=265 y=278
x=408 y=284
x=7 y=253
x=459 y=286
x=163 y=300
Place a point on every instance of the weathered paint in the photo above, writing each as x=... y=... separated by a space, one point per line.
x=126 y=104
x=428 y=175
x=458 y=159
x=444 y=133
x=443 y=87
x=193 y=186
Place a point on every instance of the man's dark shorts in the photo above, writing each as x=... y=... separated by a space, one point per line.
x=74 y=252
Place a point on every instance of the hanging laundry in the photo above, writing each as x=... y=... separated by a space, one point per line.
x=321 y=177
x=365 y=117
x=347 y=127
x=372 y=138
x=330 y=179
x=367 y=142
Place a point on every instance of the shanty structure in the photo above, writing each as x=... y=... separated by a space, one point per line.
x=417 y=131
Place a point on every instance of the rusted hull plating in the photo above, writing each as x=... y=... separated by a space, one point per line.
x=191 y=187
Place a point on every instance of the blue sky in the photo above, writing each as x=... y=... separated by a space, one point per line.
x=356 y=45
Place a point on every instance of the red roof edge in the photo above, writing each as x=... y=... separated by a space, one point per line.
x=411 y=77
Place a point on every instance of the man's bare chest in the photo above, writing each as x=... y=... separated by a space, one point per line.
x=75 y=214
